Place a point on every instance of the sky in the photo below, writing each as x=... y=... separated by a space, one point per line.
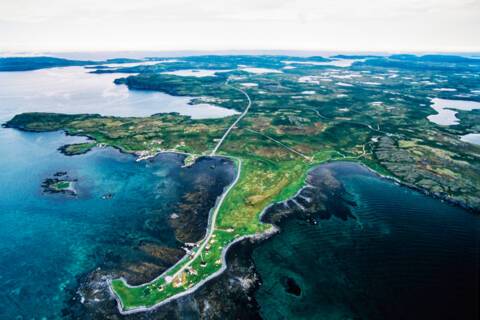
x=336 y=25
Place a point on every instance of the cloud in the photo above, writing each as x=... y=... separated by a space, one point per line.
x=432 y=25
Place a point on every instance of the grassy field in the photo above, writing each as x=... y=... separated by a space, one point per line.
x=260 y=184
x=62 y=185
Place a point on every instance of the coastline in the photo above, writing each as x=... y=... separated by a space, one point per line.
x=213 y=210
x=440 y=197
x=380 y=215
x=274 y=229
x=257 y=237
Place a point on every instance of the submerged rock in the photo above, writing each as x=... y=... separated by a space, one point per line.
x=291 y=286
x=107 y=196
x=322 y=197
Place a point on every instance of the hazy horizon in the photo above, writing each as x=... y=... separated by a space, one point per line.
x=139 y=54
x=212 y=25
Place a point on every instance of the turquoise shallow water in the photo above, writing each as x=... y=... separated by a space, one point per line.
x=47 y=240
x=407 y=256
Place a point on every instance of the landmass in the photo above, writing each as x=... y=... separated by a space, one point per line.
x=36 y=63
x=292 y=119
x=60 y=183
x=76 y=148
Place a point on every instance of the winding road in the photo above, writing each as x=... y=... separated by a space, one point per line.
x=211 y=227
x=213 y=218
x=244 y=113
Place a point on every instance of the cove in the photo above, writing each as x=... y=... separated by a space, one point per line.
x=371 y=249
x=473 y=138
x=74 y=90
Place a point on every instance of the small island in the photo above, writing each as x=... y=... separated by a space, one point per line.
x=60 y=183
x=76 y=148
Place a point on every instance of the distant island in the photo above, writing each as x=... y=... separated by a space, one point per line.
x=35 y=63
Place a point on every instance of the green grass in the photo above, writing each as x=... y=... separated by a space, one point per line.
x=260 y=184
x=62 y=185
x=77 y=148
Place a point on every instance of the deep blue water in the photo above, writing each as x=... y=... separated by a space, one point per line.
x=407 y=256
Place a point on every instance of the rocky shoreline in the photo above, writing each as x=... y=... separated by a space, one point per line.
x=435 y=195
x=416 y=173
x=76 y=148
x=60 y=183
x=230 y=295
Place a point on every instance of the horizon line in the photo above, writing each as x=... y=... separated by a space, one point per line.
x=6 y=53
